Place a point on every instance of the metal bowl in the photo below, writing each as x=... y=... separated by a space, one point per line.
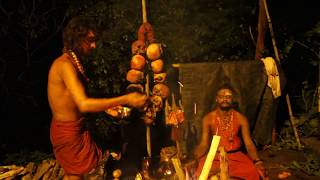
x=125 y=112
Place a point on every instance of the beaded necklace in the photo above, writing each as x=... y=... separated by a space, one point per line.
x=76 y=62
x=226 y=127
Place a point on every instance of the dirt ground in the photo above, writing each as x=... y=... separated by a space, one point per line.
x=277 y=161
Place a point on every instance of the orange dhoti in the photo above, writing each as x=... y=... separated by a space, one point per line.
x=73 y=147
x=239 y=165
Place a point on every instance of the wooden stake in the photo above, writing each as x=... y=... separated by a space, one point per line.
x=210 y=157
x=148 y=140
x=148 y=131
x=147 y=85
x=178 y=168
x=144 y=11
x=271 y=32
x=292 y=122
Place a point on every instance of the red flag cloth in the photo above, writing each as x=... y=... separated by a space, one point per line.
x=73 y=147
x=262 y=28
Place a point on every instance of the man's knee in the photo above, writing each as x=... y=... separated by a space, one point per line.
x=72 y=177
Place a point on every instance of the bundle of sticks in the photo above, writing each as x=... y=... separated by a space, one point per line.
x=47 y=169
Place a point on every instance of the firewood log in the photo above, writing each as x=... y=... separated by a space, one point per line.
x=48 y=174
x=60 y=174
x=9 y=167
x=27 y=177
x=224 y=171
x=43 y=168
x=29 y=169
x=55 y=171
x=12 y=173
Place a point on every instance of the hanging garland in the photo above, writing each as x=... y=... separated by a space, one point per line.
x=74 y=59
x=145 y=63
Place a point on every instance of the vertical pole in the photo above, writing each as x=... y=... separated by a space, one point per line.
x=144 y=20
x=271 y=32
x=148 y=133
x=319 y=84
x=144 y=11
x=262 y=26
x=292 y=122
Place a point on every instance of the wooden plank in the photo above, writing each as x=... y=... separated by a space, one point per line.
x=210 y=157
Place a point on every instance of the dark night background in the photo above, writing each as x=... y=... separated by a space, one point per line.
x=30 y=33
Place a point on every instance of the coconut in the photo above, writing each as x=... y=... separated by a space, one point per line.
x=157 y=66
x=154 y=51
x=137 y=62
x=161 y=89
x=135 y=76
x=138 y=47
x=135 y=88
x=157 y=102
x=160 y=77
x=117 y=173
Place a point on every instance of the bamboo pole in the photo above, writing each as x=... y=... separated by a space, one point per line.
x=262 y=24
x=210 y=157
x=176 y=65
x=148 y=133
x=147 y=85
x=144 y=11
x=271 y=32
x=292 y=122
x=319 y=86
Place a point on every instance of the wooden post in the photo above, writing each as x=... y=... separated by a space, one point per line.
x=262 y=26
x=271 y=32
x=292 y=122
x=210 y=157
x=147 y=85
x=319 y=86
x=144 y=11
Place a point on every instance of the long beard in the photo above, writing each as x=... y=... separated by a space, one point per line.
x=226 y=108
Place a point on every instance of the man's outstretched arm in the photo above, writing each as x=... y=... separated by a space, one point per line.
x=203 y=146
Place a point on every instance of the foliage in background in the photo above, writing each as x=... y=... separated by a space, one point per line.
x=29 y=34
x=303 y=54
x=311 y=166
x=287 y=141
x=204 y=31
x=22 y=158
x=298 y=39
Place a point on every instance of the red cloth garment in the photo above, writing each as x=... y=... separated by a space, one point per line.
x=73 y=147
x=239 y=164
x=229 y=137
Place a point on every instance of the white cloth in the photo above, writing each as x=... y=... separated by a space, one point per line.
x=273 y=75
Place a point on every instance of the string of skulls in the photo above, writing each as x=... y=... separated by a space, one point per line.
x=147 y=61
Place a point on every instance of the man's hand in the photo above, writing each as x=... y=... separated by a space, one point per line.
x=261 y=169
x=136 y=99
x=113 y=112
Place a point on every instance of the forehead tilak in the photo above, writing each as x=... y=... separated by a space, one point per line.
x=225 y=92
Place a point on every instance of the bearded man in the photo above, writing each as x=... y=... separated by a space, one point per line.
x=229 y=124
x=73 y=146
